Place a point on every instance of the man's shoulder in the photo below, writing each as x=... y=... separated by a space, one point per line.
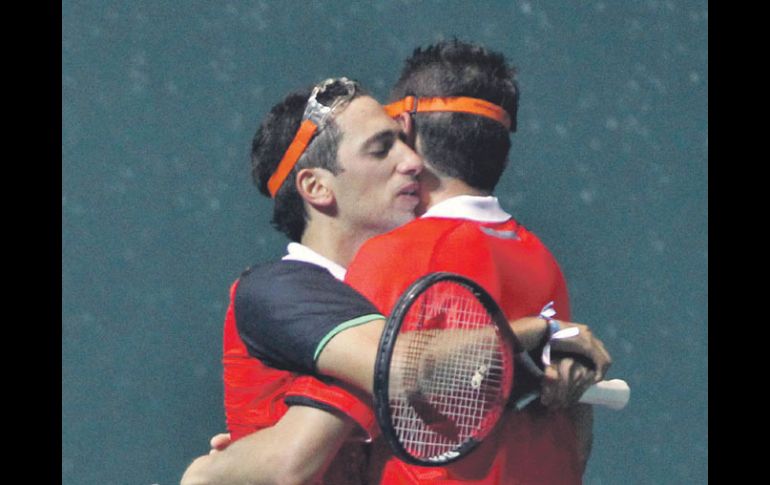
x=406 y=252
x=419 y=231
x=508 y=232
x=282 y=267
x=282 y=277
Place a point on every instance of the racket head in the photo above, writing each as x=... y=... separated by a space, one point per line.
x=444 y=370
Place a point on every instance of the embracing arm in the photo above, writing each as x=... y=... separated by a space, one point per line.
x=296 y=450
x=336 y=330
x=350 y=355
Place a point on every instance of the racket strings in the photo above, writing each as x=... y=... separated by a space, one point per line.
x=453 y=364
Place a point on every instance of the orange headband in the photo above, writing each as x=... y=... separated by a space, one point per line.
x=297 y=147
x=455 y=104
x=315 y=117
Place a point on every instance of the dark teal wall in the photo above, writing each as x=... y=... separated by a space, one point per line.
x=160 y=100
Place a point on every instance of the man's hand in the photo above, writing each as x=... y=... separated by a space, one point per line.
x=219 y=442
x=586 y=345
x=568 y=377
x=565 y=380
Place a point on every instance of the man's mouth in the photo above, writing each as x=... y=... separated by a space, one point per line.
x=410 y=190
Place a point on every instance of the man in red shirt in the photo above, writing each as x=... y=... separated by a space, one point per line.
x=465 y=231
x=282 y=313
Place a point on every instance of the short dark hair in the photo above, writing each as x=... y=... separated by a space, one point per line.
x=270 y=143
x=466 y=146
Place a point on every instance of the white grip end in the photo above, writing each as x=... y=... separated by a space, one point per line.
x=613 y=394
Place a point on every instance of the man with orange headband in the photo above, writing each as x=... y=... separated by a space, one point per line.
x=458 y=102
x=474 y=109
x=338 y=171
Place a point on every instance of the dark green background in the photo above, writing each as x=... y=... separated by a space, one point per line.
x=160 y=100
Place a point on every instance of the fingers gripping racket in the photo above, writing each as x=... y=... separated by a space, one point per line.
x=444 y=370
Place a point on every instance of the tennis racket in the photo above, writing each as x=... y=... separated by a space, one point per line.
x=445 y=370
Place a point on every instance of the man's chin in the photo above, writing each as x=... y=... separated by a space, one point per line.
x=404 y=218
x=421 y=208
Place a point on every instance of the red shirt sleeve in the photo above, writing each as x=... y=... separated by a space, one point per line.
x=310 y=391
x=256 y=395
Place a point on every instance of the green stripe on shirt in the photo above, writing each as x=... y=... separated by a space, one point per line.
x=344 y=326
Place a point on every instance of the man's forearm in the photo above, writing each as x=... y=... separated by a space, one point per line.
x=529 y=331
x=351 y=354
x=582 y=416
x=297 y=449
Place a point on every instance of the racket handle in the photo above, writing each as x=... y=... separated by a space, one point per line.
x=613 y=394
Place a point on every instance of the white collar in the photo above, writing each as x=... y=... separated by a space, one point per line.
x=299 y=252
x=473 y=207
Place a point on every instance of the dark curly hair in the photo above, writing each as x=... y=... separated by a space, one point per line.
x=466 y=146
x=271 y=141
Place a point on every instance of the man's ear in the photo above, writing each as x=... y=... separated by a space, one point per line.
x=407 y=124
x=313 y=186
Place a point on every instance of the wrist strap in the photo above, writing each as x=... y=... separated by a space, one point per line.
x=554 y=331
x=552 y=326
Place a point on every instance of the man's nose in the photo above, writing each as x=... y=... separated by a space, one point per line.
x=412 y=162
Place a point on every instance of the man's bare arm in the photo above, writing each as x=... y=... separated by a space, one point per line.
x=296 y=450
x=582 y=416
x=350 y=355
